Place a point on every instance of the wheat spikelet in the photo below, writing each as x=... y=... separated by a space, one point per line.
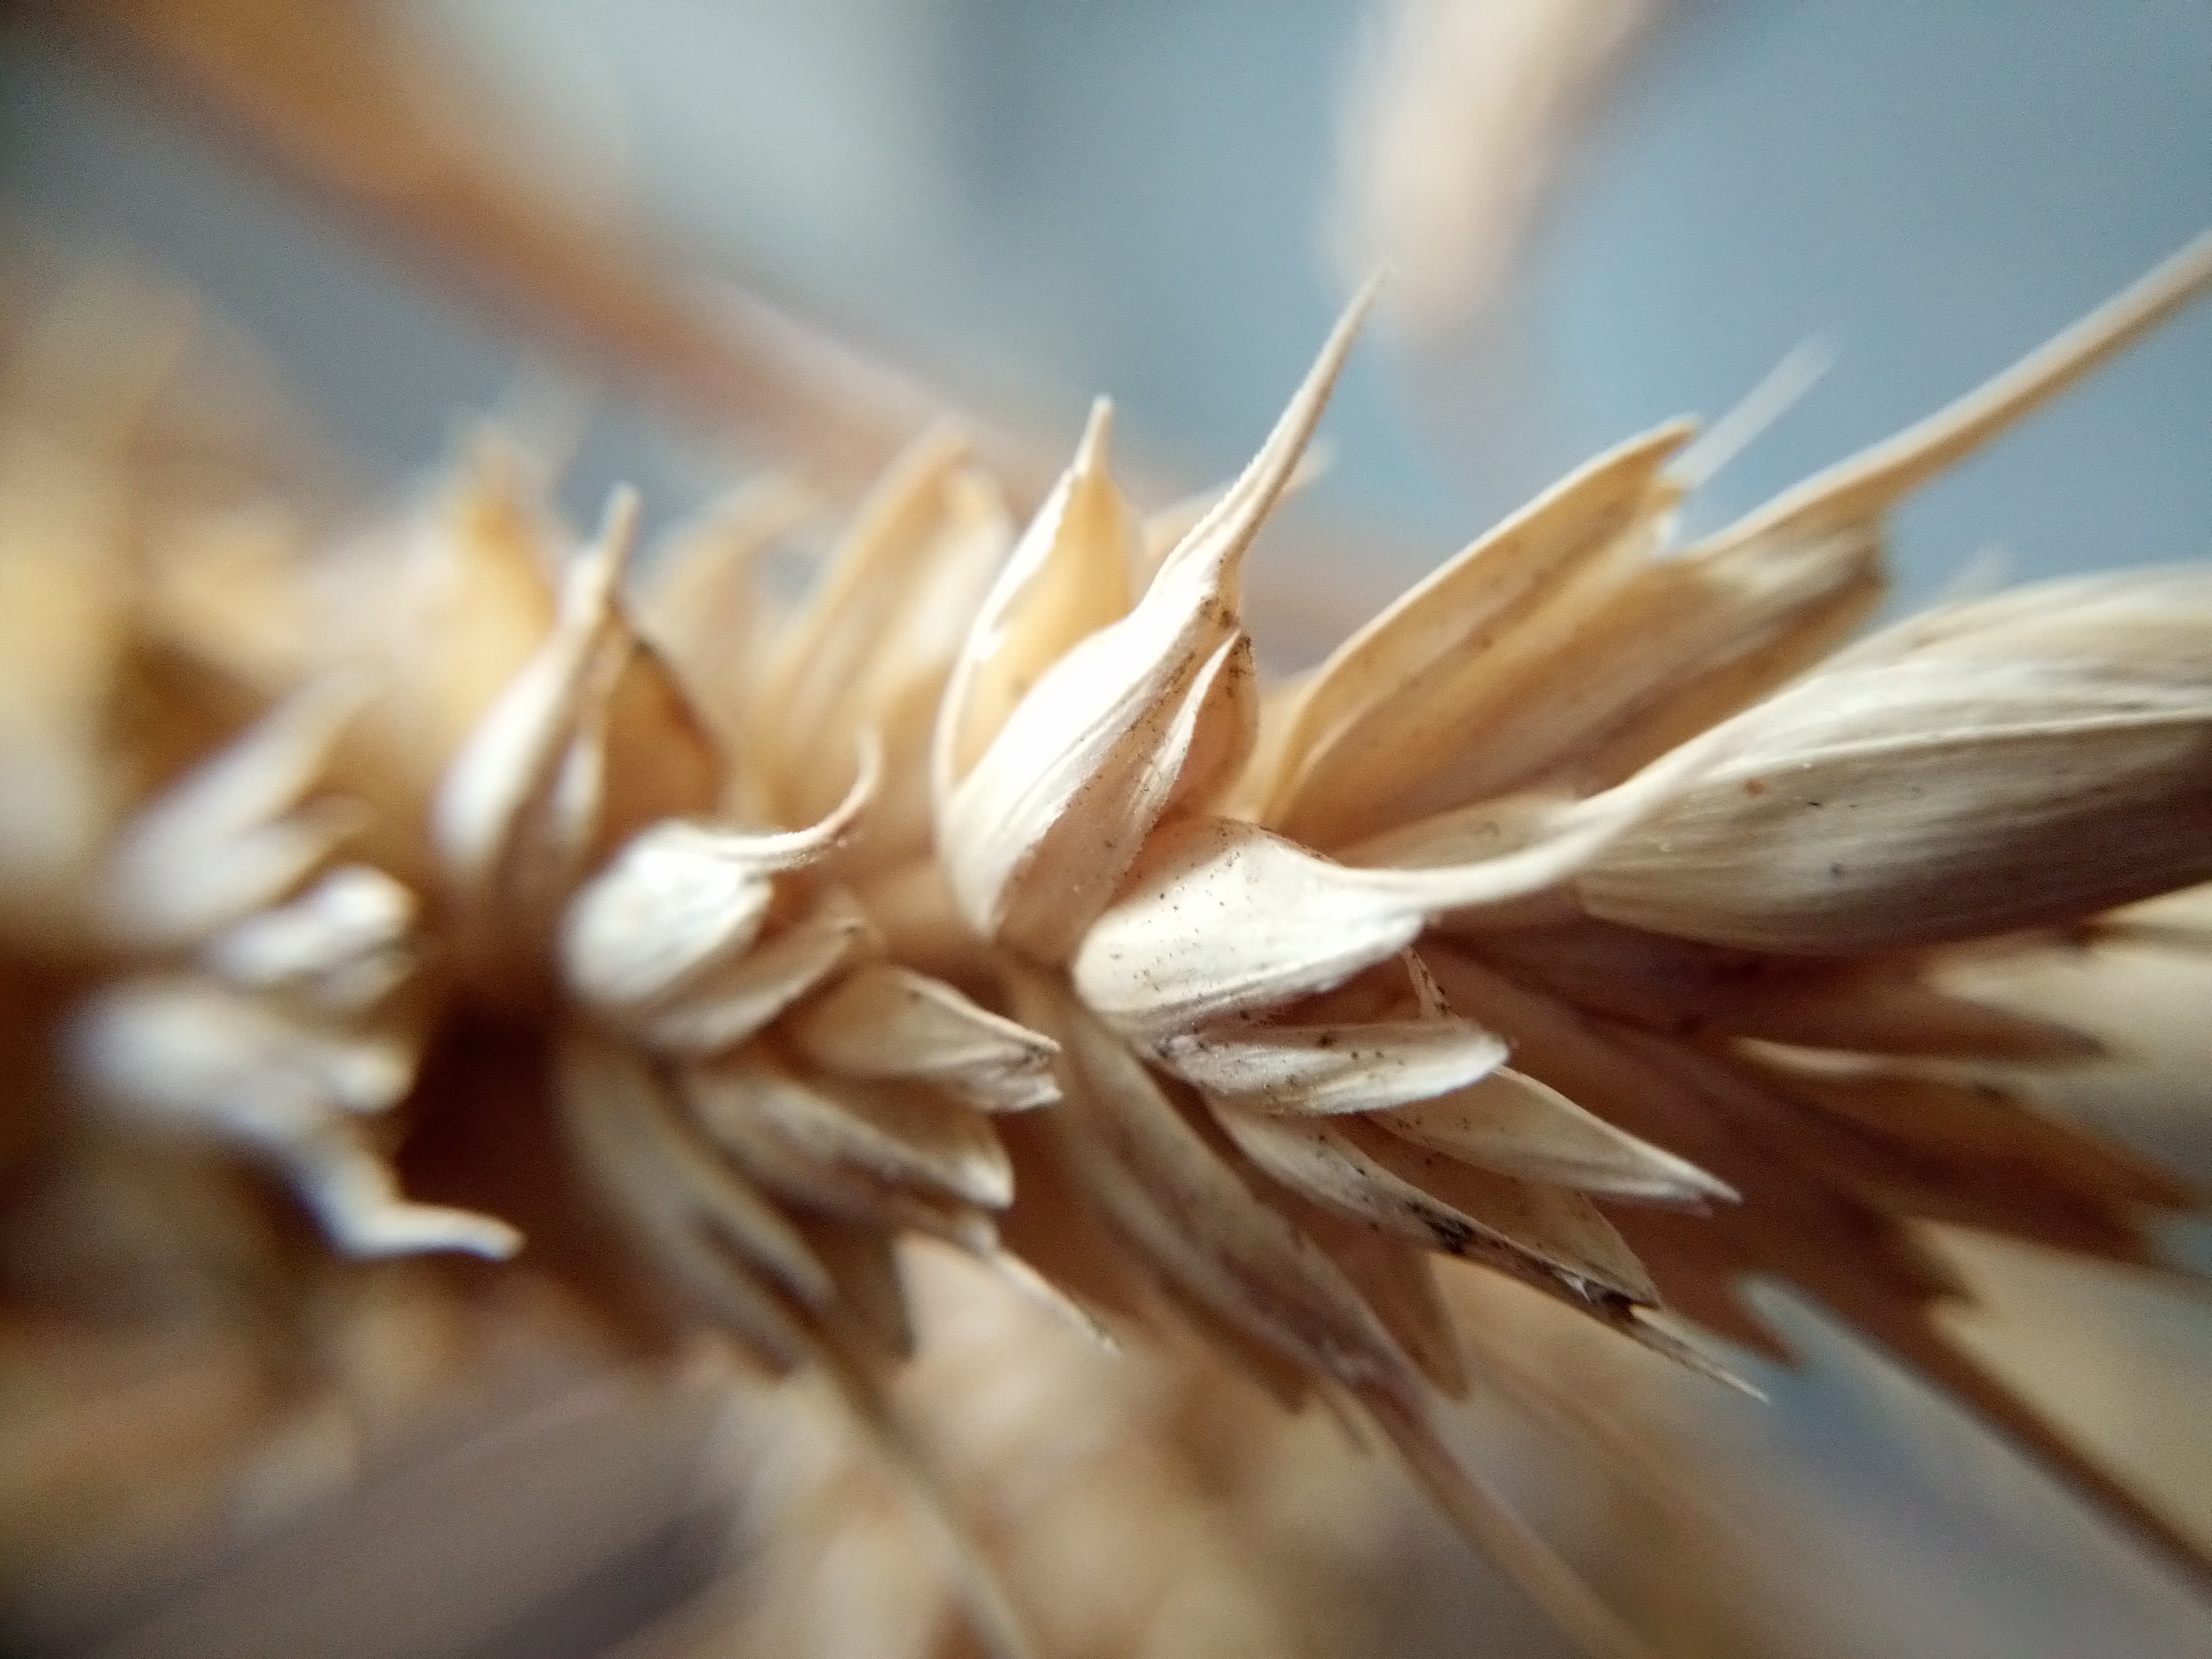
x=1580 y=917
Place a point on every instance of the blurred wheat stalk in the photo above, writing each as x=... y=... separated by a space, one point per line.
x=1460 y=116
x=716 y=942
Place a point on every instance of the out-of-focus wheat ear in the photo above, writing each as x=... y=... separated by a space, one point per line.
x=701 y=603
x=661 y=758
x=901 y=510
x=1876 y=1012
x=354 y=1196
x=1453 y=128
x=341 y=948
x=890 y=610
x=192 y=1054
x=447 y=614
x=520 y=797
x=912 y=640
x=357 y=111
x=236 y=834
x=63 y=616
